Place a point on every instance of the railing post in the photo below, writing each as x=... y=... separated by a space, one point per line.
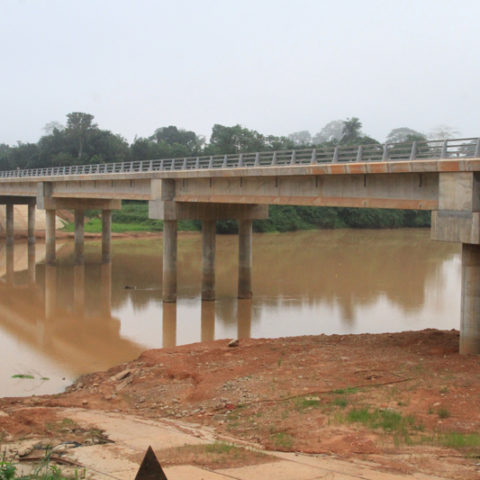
x=257 y=160
x=210 y=162
x=274 y=158
x=444 y=153
x=293 y=158
x=477 y=149
x=197 y=163
x=335 y=155
x=385 y=153
x=240 y=160
x=413 y=151
x=172 y=165
x=184 y=163
x=359 y=154
x=150 y=167
x=314 y=156
x=224 y=164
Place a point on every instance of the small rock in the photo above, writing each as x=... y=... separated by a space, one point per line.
x=84 y=402
x=120 y=375
x=234 y=343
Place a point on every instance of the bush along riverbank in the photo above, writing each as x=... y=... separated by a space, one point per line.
x=282 y=218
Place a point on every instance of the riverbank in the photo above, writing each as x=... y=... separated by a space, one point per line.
x=405 y=401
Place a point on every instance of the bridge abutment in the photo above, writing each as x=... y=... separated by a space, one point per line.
x=458 y=220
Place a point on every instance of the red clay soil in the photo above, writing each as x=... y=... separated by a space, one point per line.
x=406 y=400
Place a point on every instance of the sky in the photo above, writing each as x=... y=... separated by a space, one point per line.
x=275 y=66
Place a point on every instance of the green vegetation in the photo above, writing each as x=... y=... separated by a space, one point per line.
x=44 y=470
x=303 y=403
x=388 y=420
x=443 y=413
x=23 y=375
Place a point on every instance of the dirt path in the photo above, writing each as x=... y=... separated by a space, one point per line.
x=406 y=402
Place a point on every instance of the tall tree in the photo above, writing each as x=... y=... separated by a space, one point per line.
x=351 y=130
x=302 y=138
x=404 y=134
x=79 y=125
x=331 y=132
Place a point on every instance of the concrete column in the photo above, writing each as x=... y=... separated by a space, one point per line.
x=10 y=262
x=50 y=254
x=208 y=321
x=106 y=286
x=169 y=325
x=244 y=318
x=32 y=277
x=106 y=236
x=9 y=224
x=244 y=258
x=169 y=285
x=31 y=223
x=209 y=228
x=50 y=291
x=79 y=237
x=79 y=289
x=470 y=302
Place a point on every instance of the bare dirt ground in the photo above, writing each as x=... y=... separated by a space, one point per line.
x=406 y=401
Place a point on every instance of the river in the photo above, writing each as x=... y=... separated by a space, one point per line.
x=74 y=320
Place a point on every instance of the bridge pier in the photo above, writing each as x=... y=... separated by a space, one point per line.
x=50 y=250
x=31 y=222
x=169 y=283
x=169 y=324
x=209 y=230
x=106 y=235
x=9 y=234
x=79 y=237
x=245 y=259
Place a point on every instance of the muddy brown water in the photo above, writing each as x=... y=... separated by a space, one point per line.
x=74 y=320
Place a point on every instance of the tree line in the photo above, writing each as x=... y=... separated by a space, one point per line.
x=81 y=141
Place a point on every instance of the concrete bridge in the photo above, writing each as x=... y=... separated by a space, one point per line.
x=441 y=176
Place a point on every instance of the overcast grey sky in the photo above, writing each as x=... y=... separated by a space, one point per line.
x=275 y=66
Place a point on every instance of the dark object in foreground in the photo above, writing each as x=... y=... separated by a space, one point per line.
x=150 y=468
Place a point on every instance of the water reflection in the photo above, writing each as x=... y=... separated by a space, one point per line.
x=69 y=319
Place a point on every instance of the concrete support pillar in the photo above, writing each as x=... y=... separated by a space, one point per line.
x=79 y=237
x=10 y=262
x=31 y=223
x=208 y=321
x=50 y=291
x=50 y=254
x=169 y=285
x=106 y=236
x=244 y=318
x=169 y=325
x=244 y=258
x=32 y=277
x=470 y=302
x=79 y=289
x=209 y=228
x=9 y=224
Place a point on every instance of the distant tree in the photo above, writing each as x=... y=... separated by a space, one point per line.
x=302 y=138
x=443 y=132
x=331 y=132
x=79 y=126
x=171 y=135
x=404 y=134
x=235 y=139
x=50 y=127
x=351 y=130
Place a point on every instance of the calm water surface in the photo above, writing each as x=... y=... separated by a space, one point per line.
x=59 y=322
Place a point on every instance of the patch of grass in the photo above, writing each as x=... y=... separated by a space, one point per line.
x=341 y=402
x=346 y=391
x=388 y=420
x=282 y=440
x=23 y=375
x=302 y=403
x=443 y=413
x=459 y=440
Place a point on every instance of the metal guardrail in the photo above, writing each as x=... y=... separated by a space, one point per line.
x=436 y=149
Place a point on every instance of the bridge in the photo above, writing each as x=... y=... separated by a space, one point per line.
x=442 y=176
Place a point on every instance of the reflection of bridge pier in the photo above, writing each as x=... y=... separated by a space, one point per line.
x=207 y=321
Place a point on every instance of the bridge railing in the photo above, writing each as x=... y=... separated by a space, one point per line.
x=389 y=152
